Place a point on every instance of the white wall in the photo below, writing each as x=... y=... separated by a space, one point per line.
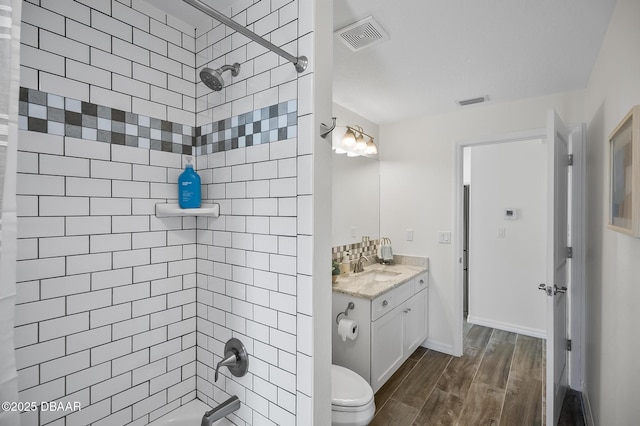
x=417 y=185
x=613 y=293
x=504 y=272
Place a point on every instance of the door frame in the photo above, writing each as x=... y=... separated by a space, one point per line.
x=577 y=295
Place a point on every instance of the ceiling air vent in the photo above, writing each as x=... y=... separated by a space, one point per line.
x=472 y=101
x=364 y=33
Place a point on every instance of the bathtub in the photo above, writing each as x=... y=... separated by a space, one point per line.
x=189 y=414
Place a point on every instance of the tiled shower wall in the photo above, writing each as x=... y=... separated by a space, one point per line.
x=107 y=312
x=106 y=291
x=254 y=262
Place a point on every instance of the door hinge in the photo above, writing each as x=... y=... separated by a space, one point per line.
x=569 y=344
x=569 y=252
x=570 y=161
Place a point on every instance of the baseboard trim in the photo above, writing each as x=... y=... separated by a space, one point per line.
x=587 y=413
x=542 y=334
x=438 y=346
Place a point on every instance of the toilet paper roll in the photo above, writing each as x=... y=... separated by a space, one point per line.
x=347 y=329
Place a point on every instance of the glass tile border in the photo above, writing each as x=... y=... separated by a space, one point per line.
x=53 y=114
x=353 y=251
x=265 y=125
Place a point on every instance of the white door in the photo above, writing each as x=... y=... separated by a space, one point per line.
x=556 y=285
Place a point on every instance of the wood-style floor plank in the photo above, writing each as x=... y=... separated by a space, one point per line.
x=457 y=377
x=394 y=413
x=527 y=357
x=478 y=336
x=418 y=353
x=482 y=406
x=385 y=392
x=496 y=362
x=522 y=402
x=503 y=336
x=435 y=389
x=418 y=385
x=441 y=409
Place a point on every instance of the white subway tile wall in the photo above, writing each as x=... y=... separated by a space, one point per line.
x=128 y=313
x=93 y=279
x=99 y=52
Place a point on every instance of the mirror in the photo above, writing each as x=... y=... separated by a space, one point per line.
x=356 y=185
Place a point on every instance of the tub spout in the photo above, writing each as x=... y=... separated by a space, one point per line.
x=221 y=411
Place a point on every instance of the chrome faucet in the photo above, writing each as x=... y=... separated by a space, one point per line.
x=221 y=411
x=358 y=266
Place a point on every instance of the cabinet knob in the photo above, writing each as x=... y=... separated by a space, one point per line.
x=385 y=303
x=406 y=311
x=421 y=281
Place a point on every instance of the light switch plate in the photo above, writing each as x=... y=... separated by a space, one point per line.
x=501 y=232
x=409 y=234
x=444 y=237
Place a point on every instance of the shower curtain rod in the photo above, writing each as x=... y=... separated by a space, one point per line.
x=300 y=62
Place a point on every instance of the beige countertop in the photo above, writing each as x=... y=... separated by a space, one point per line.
x=376 y=279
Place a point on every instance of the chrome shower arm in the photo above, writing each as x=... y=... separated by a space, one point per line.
x=299 y=62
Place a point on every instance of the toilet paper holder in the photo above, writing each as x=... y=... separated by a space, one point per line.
x=351 y=305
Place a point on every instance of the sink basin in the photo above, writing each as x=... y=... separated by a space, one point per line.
x=379 y=275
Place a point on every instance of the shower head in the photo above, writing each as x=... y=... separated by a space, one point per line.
x=213 y=78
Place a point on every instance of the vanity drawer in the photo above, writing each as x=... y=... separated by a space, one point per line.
x=382 y=304
x=421 y=282
x=386 y=302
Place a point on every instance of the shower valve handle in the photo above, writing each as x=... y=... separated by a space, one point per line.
x=235 y=357
x=231 y=359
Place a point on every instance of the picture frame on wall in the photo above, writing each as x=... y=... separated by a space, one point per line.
x=624 y=175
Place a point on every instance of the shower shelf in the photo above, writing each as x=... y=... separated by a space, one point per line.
x=173 y=209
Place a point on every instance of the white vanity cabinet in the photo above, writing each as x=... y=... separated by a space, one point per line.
x=392 y=326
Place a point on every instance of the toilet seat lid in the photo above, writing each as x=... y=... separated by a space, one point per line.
x=348 y=389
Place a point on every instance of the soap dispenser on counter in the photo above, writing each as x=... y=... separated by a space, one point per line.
x=345 y=266
x=189 y=193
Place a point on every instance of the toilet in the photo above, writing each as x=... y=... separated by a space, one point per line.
x=352 y=402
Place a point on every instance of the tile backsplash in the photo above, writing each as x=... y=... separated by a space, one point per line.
x=353 y=251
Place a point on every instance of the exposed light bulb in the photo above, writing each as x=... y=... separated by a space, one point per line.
x=371 y=148
x=349 y=139
x=361 y=145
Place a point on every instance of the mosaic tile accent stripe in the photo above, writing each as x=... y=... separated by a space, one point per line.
x=367 y=248
x=265 y=125
x=48 y=113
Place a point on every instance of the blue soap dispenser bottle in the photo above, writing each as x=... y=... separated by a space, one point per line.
x=189 y=196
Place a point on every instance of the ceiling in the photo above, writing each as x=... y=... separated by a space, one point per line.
x=443 y=51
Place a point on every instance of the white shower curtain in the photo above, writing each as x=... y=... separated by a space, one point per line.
x=10 y=12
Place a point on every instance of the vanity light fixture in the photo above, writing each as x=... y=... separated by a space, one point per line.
x=354 y=143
